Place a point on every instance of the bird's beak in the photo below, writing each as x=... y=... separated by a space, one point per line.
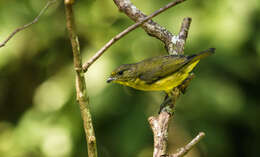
x=110 y=79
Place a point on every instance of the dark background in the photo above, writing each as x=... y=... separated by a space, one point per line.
x=39 y=116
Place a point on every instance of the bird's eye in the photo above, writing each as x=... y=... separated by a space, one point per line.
x=120 y=72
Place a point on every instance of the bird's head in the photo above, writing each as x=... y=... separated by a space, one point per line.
x=123 y=74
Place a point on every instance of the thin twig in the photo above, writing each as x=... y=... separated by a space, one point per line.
x=49 y=3
x=184 y=150
x=126 y=31
x=80 y=81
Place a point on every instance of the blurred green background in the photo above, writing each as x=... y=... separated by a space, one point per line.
x=39 y=116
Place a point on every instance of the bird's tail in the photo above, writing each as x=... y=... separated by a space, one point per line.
x=201 y=55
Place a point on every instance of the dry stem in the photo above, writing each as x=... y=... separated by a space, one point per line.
x=49 y=3
x=184 y=150
x=80 y=81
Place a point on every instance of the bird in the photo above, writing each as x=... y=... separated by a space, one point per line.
x=159 y=73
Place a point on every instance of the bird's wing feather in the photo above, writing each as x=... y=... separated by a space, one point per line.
x=160 y=67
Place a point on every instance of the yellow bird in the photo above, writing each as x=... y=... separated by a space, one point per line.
x=160 y=73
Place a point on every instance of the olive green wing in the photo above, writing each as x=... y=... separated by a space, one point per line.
x=159 y=67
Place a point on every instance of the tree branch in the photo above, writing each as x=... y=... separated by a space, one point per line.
x=159 y=127
x=151 y=27
x=160 y=123
x=80 y=81
x=184 y=150
x=138 y=23
x=180 y=40
x=49 y=3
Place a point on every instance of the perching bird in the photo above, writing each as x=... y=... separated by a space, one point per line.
x=160 y=73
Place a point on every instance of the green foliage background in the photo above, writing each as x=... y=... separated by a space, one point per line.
x=39 y=116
